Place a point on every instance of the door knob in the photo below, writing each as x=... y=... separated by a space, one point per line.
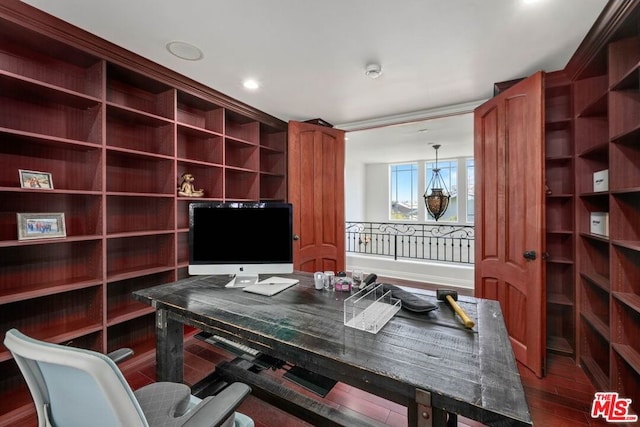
x=529 y=255
x=296 y=237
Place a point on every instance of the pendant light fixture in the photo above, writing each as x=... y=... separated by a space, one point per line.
x=438 y=201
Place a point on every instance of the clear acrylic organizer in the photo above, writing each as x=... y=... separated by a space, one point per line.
x=370 y=309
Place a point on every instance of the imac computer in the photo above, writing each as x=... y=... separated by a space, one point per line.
x=240 y=239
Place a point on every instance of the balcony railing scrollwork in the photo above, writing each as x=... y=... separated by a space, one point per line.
x=441 y=242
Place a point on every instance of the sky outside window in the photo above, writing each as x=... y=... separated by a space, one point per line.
x=404 y=191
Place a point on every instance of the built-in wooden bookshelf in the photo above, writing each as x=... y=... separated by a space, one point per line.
x=559 y=207
x=624 y=210
x=116 y=132
x=607 y=137
x=593 y=281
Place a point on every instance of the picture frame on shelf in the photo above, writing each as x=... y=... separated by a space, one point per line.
x=35 y=180
x=41 y=226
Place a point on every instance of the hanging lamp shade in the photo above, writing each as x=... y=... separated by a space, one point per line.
x=437 y=201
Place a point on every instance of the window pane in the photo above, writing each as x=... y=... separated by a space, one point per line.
x=449 y=174
x=404 y=185
x=470 y=190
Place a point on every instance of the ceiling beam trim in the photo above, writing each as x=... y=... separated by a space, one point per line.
x=416 y=116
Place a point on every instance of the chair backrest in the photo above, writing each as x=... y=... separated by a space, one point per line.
x=74 y=387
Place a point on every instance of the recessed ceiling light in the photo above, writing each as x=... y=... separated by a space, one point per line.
x=250 y=84
x=185 y=51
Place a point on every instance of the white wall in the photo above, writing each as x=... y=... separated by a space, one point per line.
x=377 y=194
x=436 y=273
x=355 y=179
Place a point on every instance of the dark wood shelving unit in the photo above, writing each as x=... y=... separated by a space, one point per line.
x=593 y=283
x=607 y=137
x=559 y=207
x=116 y=132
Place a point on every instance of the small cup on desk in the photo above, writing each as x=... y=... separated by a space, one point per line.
x=329 y=280
x=357 y=277
x=318 y=280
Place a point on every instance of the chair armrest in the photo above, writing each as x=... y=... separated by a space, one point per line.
x=120 y=354
x=214 y=410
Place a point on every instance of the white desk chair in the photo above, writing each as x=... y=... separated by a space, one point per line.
x=74 y=387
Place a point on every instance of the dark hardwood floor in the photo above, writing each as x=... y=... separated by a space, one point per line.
x=561 y=399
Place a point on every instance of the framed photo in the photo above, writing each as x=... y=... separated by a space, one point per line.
x=41 y=226
x=35 y=180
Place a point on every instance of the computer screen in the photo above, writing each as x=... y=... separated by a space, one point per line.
x=241 y=239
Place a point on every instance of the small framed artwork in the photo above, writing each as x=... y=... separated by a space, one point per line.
x=41 y=226
x=35 y=180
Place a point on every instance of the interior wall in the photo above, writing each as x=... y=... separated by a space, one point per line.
x=377 y=193
x=435 y=273
x=355 y=197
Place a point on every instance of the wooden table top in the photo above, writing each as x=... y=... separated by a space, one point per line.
x=469 y=372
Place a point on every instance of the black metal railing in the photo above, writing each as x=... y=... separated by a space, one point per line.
x=448 y=243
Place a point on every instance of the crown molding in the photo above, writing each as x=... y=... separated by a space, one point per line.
x=416 y=116
x=590 y=57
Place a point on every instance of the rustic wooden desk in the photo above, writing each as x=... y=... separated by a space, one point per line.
x=429 y=362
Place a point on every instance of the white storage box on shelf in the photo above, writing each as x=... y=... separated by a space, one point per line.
x=370 y=309
x=600 y=223
x=601 y=181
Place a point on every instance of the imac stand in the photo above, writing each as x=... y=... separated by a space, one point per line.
x=242 y=281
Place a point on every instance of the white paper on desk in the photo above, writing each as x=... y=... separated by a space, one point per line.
x=277 y=280
x=270 y=286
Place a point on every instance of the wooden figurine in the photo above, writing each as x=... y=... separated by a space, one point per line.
x=187 y=188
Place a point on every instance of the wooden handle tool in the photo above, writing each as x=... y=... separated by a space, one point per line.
x=451 y=297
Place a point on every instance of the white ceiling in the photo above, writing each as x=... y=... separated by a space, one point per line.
x=310 y=56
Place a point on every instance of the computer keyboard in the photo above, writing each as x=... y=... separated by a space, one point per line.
x=235 y=347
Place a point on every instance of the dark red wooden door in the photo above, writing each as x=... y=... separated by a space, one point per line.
x=509 y=203
x=316 y=190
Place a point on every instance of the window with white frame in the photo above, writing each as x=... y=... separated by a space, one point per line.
x=404 y=191
x=407 y=187
x=470 y=190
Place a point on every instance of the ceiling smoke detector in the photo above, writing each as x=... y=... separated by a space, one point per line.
x=373 y=71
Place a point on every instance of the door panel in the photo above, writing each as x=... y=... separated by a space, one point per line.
x=316 y=190
x=510 y=214
x=306 y=228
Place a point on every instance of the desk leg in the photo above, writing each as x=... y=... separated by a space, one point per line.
x=422 y=414
x=169 y=348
